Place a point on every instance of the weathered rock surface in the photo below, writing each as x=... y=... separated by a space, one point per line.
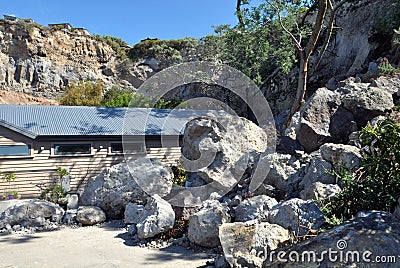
x=318 y=170
x=341 y=156
x=364 y=101
x=284 y=169
x=221 y=147
x=90 y=215
x=157 y=217
x=318 y=190
x=297 y=215
x=250 y=238
x=204 y=224
x=371 y=235
x=256 y=207
x=112 y=190
x=317 y=125
x=31 y=213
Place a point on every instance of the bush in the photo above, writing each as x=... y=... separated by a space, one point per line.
x=180 y=176
x=376 y=185
x=83 y=93
x=118 y=45
x=117 y=97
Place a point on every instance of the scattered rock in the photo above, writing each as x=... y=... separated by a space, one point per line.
x=319 y=170
x=341 y=156
x=297 y=215
x=284 y=169
x=318 y=190
x=204 y=224
x=256 y=207
x=365 y=101
x=72 y=201
x=90 y=215
x=159 y=218
x=31 y=213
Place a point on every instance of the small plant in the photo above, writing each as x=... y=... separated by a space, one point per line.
x=180 y=176
x=53 y=193
x=9 y=177
x=387 y=69
x=62 y=172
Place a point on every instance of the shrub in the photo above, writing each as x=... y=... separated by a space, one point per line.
x=117 y=44
x=117 y=97
x=180 y=176
x=376 y=185
x=83 y=93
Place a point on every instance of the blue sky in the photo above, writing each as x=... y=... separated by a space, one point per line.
x=130 y=20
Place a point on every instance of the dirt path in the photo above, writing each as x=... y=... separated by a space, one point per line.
x=104 y=246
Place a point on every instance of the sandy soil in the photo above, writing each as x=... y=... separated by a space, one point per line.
x=104 y=246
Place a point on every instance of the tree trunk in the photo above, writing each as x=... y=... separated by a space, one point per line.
x=301 y=89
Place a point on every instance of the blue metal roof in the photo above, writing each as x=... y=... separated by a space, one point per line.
x=33 y=121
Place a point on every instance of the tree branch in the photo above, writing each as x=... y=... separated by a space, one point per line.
x=239 y=14
x=319 y=22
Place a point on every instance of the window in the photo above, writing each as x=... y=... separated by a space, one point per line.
x=133 y=148
x=14 y=150
x=116 y=148
x=68 y=149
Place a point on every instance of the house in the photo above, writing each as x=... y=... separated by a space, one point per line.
x=10 y=17
x=81 y=31
x=62 y=26
x=35 y=140
x=15 y=18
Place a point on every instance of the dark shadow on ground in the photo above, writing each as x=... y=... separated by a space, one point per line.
x=17 y=239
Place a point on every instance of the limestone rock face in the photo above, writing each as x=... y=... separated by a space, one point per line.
x=90 y=215
x=204 y=224
x=31 y=213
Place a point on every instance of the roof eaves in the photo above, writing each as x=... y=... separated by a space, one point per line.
x=18 y=129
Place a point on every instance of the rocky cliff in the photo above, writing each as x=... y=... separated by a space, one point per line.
x=42 y=61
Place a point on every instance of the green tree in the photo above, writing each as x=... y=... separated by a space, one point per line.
x=83 y=93
x=117 y=97
x=304 y=32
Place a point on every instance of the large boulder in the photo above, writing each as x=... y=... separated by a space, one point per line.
x=158 y=217
x=361 y=242
x=250 y=238
x=113 y=189
x=297 y=215
x=31 y=213
x=204 y=224
x=256 y=207
x=220 y=149
x=316 y=121
x=90 y=215
x=341 y=156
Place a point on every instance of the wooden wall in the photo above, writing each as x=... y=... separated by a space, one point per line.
x=39 y=168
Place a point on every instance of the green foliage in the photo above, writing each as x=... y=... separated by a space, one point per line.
x=62 y=171
x=83 y=93
x=180 y=176
x=387 y=69
x=9 y=177
x=117 y=97
x=390 y=21
x=118 y=45
x=53 y=193
x=377 y=186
